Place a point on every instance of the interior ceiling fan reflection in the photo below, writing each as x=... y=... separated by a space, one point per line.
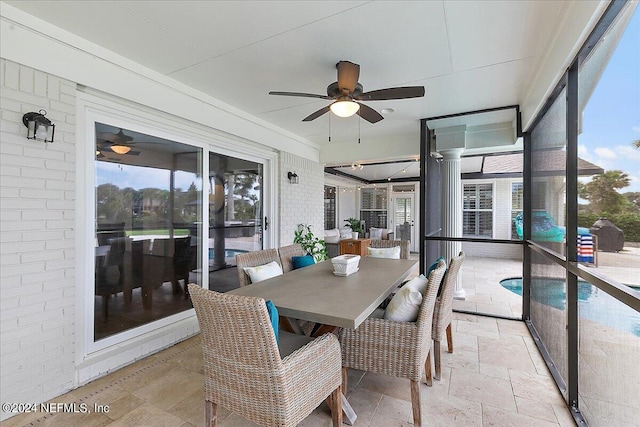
x=347 y=95
x=118 y=143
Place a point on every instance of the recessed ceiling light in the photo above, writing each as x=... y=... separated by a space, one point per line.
x=388 y=110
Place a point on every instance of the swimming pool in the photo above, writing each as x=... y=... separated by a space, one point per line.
x=593 y=304
x=228 y=253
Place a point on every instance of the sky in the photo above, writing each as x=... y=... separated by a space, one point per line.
x=611 y=119
x=139 y=177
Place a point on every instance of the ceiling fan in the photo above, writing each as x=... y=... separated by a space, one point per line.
x=347 y=95
x=118 y=143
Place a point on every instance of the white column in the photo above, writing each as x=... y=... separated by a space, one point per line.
x=452 y=208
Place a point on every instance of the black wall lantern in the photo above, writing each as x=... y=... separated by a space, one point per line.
x=293 y=177
x=38 y=126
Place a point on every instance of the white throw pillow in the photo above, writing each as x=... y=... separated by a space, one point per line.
x=392 y=253
x=375 y=233
x=417 y=284
x=332 y=236
x=345 y=233
x=404 y=306
x=263 y=272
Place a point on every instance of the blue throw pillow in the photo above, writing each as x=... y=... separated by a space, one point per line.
x=273 y=316
x=302 y=261
x=433 y=267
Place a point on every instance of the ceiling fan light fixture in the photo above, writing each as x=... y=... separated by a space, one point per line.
x=120 y=149
x=344 y=108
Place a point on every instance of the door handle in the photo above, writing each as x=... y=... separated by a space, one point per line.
x=266 y=223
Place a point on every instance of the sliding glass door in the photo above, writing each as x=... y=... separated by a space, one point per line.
x=148 y=226
x=235 y=209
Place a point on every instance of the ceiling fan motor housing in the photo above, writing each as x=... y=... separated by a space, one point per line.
x=333 y=90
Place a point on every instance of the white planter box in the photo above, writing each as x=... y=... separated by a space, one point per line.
x=345 y=265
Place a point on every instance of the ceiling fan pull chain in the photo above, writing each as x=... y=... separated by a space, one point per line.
x=359 y=121
x=329 y=127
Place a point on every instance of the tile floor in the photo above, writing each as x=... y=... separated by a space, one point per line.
x=495 y=377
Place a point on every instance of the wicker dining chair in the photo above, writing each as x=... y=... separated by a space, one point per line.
x=443 y=313
x=400 y=349
x=253 y=259
x=247 y=372
x=287 y=253
x=404 y=246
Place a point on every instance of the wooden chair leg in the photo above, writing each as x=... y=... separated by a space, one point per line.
x=436 y=358
x=336 y=407
x=427 y=370
x=415 y=403
x=210 y=414
x=345 y=379
x=449 y=339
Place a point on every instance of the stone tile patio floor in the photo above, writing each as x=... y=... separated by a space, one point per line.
x=494 y=377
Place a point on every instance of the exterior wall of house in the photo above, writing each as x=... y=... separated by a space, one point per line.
x=38 y=286
x=43 y=349
x=501 y=224
x=300 y=203
x=348 y=208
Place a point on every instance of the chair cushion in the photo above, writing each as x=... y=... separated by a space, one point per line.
x=263 y=272
x=302 y=261
x=290 y=342
x=404 y=306
x=418 y=284
x=375 y=233
x=392 y=253
x=273 y=316
x=433 y=267
x=332 y=236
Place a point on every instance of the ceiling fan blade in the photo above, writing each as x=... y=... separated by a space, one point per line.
x=304 y=95
x=393 y=93
x=369 y=114
x=348 y=75
x=119 y=137
x=317 y=114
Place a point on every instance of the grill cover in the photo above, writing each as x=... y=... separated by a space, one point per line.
x=610 y=237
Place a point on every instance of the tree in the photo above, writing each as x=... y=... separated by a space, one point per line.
x=636 y=143
x=602 y=192
x=633 y=197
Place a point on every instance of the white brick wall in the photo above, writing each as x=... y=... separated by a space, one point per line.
x=302 y=202
x=37 y=256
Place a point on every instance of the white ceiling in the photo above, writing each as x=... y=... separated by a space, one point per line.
x=469 y=55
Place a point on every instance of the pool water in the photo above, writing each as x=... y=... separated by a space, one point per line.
x=593 y=304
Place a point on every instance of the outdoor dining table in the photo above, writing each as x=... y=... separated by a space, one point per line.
x=316 y=294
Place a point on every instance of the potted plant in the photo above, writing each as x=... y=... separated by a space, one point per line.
x=311 y=244
x=355 y=225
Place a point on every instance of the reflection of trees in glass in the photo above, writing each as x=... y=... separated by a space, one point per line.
x=111 y=204
x=185 y=205
x=145 y=208
x=248 y=205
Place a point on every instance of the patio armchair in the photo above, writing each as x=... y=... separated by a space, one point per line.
x=400 y=349
x=286 y=255
x=254 y=259
x=247 y=372
x=443 y=313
